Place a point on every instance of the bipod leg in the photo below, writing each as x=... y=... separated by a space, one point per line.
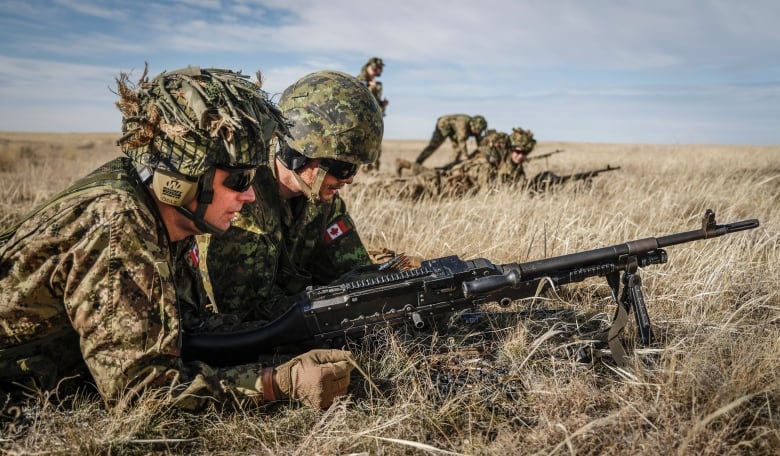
x=633 y=297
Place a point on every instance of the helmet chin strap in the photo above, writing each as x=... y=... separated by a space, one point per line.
x=312 y=192
x=204 y=197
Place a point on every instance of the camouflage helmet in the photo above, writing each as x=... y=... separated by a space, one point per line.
x=332 y=115
x=376 y=62
x=189 y=120
x=522 y=140
x=478 y=124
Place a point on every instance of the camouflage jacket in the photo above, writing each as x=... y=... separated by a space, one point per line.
x=456 y=127
x=88 y=280
x=494 y=146
x=375 y=89
x=496 y=149
x=276 y=248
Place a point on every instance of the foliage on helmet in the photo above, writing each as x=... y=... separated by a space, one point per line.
x=478 y=124
x=332 y=115
x=522 y=140
x=191 y=119
x=494 y=146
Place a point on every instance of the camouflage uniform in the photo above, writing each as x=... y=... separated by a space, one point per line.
x=458 y=128
x=277 y=248
x=90 y=278
x=487 y=166
x=375 y=87
x=494 y=146
x=520 y=140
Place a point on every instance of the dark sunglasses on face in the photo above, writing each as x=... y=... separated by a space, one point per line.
x=338 y=169
x=239 y=179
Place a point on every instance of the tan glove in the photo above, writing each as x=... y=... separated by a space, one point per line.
x=314 y=378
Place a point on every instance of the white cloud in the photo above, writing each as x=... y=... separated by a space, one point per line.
x=576 y=69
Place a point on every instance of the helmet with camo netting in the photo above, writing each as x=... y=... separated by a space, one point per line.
x=332 y=115
x=494 y=145
x=189 y=120
x=522 y=140
x=478 y=124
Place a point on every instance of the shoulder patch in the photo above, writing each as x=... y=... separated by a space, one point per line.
x=336 y=230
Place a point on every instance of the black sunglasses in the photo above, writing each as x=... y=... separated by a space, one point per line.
x=338 y=169
x=239 y=179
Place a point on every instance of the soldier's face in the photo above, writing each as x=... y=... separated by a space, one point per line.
x=228 y=199
x=517 y=157
x=330 y=184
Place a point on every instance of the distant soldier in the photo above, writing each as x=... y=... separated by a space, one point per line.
x=458 y=128
x=498 y=159
x=522 y=143
x=368 y=76
x=494 y=146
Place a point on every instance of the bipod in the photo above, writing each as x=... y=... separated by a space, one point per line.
x=630 y=298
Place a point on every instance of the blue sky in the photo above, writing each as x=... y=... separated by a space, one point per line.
x=631 y=71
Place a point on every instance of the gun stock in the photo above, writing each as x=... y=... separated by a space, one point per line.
x=448 y=284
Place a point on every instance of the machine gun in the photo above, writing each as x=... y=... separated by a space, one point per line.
x=441 y=286
x=547 y=179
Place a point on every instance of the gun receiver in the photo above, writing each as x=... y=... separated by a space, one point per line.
x=444 y=285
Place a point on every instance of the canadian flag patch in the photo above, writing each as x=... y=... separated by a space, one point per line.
x=336 y=230
x=195 y=255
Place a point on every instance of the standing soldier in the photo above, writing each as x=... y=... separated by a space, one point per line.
x=458 y=128
x=298 y=232
x=87 y=280
x=368 y=76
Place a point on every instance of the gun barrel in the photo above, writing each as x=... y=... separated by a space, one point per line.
x=707 y=232
x=593 y=173
x=541 y=268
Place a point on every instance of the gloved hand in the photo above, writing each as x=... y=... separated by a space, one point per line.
x=314 y=378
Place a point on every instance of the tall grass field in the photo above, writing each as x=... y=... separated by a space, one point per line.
x=515 y=381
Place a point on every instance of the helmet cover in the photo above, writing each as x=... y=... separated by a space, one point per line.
x=522 y=140
x=333 y=115
x=191 y=119
x=478 y=124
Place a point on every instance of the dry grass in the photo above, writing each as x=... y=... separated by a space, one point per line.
x=515 y=383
